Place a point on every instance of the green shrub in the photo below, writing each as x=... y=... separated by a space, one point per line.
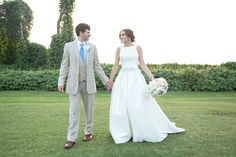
x=211 y=78
x=56 y=51
x=29 y=80
x=30 y=56
x=229 y=65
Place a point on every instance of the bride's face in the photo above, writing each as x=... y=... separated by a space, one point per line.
x=123 y=37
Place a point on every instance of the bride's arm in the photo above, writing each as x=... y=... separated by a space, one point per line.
x=115 y=65
x=142 y=65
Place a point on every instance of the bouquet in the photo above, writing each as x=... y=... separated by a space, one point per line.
x=157 y=87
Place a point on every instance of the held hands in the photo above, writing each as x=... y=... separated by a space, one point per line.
x=109 y=85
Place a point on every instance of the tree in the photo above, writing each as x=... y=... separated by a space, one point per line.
x=31 y=56
x=66 y=22
x=3 y=44
x=16 y=20
x=64 y=32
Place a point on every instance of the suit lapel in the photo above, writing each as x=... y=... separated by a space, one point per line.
x=76 y=51
x=88 y=54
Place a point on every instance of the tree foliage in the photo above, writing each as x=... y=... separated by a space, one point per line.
x=64 y=32
x=30 y=56
x=16 y=19
x=3 y=44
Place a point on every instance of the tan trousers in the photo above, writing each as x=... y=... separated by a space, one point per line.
x=74 y=112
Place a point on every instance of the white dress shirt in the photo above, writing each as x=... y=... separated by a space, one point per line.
x=78 y=43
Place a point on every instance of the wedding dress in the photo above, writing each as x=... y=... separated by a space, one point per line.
x=133 y=112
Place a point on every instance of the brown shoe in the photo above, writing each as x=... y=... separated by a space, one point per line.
x=69 y=144
x=88 y=137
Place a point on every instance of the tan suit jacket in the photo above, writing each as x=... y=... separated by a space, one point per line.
x=70 y=68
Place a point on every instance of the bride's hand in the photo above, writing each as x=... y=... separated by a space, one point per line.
x=109 y=85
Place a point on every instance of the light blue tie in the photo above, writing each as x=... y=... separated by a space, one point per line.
x=82 y=51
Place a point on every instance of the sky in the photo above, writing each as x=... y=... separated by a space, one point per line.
x=169 y=31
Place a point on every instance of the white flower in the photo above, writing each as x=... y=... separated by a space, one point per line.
x=87 y=47
x=157 y=87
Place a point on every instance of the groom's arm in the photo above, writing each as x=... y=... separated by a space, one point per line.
x=64 y=67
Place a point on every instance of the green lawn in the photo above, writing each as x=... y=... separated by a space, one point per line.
x=34 y=124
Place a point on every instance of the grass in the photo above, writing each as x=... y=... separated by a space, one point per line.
x=34 y=124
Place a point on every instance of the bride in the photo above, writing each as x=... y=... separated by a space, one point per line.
x=134 y=114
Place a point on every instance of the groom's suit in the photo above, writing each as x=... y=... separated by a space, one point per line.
x=80 y=81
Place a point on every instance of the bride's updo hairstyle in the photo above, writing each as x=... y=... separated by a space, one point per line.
x=129 y=33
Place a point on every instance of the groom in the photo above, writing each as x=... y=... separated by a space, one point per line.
x=79 y=62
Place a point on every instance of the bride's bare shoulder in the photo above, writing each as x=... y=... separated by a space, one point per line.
x=139 y=48
x=118 y=50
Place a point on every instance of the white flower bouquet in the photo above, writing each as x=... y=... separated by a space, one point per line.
x=157 y=87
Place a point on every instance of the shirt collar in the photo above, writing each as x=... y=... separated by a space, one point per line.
x=79 y=42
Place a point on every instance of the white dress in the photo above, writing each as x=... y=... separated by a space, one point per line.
x=133 y=112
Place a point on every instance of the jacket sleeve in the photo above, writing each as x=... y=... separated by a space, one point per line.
x=64 y=66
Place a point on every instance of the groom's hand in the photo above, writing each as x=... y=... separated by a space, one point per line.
x=61 y=89
x=109 y=85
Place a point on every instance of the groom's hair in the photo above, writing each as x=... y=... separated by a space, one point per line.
x=81 y=28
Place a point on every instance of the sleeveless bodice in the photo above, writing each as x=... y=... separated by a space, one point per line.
x=129 y=58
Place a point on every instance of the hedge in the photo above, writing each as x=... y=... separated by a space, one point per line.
x=192 y=78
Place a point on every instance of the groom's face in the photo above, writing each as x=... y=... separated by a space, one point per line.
x=85 y=35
